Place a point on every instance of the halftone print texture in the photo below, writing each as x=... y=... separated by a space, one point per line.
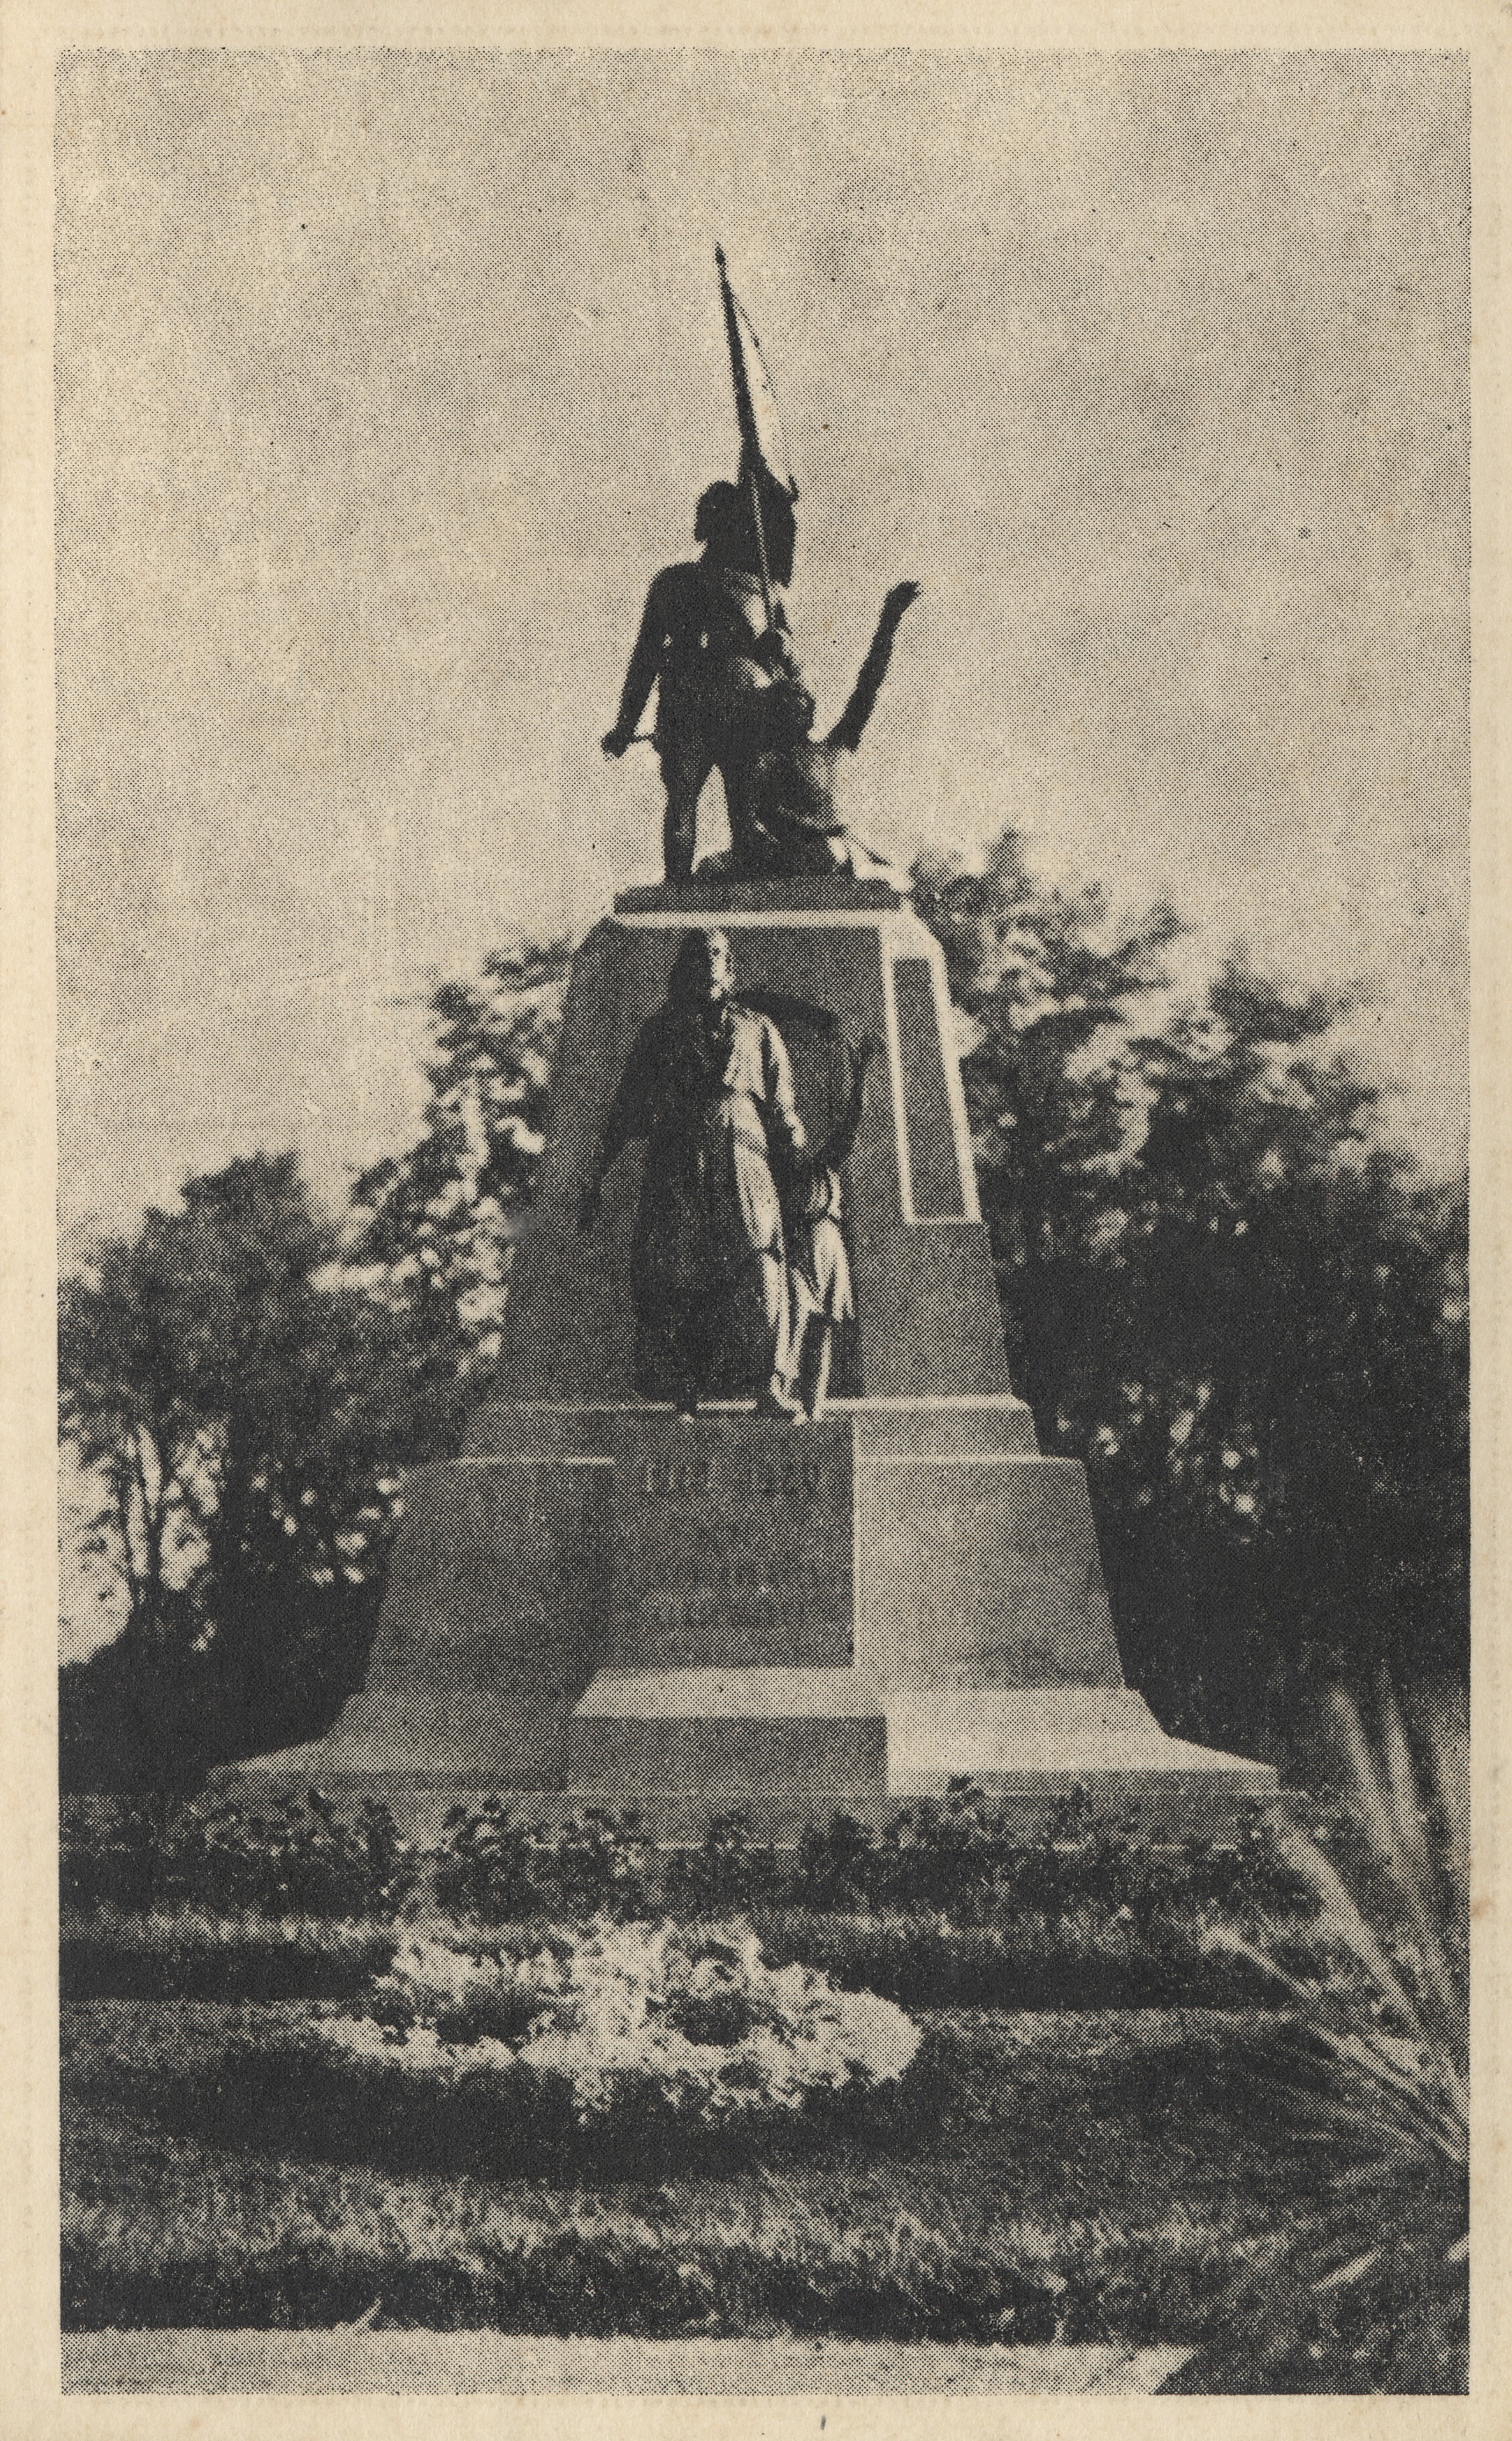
x=733 y=1542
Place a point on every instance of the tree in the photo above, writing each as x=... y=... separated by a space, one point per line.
x=1053 y=1099
x=244 y=1383
x=1292 y=1448
x=432 y=1230
x=134 y=1437
x=1225 y=1292
x=245 y=1412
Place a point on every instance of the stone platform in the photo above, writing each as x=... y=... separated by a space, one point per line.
x=604 y=1601
x=699 y=1616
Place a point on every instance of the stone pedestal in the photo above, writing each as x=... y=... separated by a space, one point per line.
x=607 y=1601
x=852 y=1612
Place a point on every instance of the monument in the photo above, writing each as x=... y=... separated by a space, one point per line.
x=752 y=1518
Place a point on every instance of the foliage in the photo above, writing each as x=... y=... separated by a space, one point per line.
x=243 y=1385
x=1224 y=1290
x=220 y=1393
x=434 y=1228
x=493 y=1865
x=960 y=1863
x=726 y=1874
x=952 y=1900
x=302 y=1859
x=1372 y=2292
x=971 y=1858
x=1288 y=1454
x=1052 y=1094
x=155 y=1717
x=630 y=2022
x=245 y=1412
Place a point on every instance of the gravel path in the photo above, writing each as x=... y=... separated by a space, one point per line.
x=447 y=2363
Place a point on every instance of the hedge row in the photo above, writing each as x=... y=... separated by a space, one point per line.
x=962 y=1859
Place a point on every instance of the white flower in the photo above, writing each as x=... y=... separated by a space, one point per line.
x=608 y=2022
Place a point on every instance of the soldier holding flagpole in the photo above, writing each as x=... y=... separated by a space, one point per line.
x=714 y=643
x=713 y=635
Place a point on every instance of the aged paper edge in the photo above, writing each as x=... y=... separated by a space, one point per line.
x=31 y=36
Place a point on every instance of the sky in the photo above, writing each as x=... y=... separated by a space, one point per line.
x=386 y=381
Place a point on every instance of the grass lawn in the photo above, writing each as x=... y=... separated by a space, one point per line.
x=1093 y=2176
x=1106 y=2141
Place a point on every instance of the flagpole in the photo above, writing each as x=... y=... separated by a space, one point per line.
x=745 y=418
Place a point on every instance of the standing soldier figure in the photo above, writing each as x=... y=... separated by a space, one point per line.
x=702 y=632
x=713 y=636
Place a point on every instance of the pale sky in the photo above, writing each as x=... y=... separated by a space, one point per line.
x=386 y=381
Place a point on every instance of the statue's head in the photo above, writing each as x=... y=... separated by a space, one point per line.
x=718 y=517
x=702 y=973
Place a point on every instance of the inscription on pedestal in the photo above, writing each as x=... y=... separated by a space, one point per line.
x=733 y=1544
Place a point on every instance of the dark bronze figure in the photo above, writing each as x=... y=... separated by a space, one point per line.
x=710 y=1088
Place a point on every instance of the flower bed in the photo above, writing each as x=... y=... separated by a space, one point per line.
x=626 y=2021
x=964 y=1858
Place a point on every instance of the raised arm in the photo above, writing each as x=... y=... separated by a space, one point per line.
x=848 y=729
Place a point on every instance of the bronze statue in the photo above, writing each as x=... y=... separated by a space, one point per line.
x=787 y=786
x=715 y=642
x=733 y=697
x=709 y=1086
x=703 y=630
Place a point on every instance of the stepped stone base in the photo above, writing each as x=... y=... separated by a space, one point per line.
x=616 y=1606
x=787 y=1746
x=784 y=1747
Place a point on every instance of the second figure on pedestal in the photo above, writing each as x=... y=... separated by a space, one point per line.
x=708 y=1087
x=740 y=1273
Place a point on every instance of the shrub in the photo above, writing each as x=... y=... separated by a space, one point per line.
x=973 y=1860
x=629 y=2023
x=304 y=1859
x=1370 y=2292
x=499 y=1869
x=1105 y=1900
x=114 y=1852
x=963 y=1857
x=726 y=1874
